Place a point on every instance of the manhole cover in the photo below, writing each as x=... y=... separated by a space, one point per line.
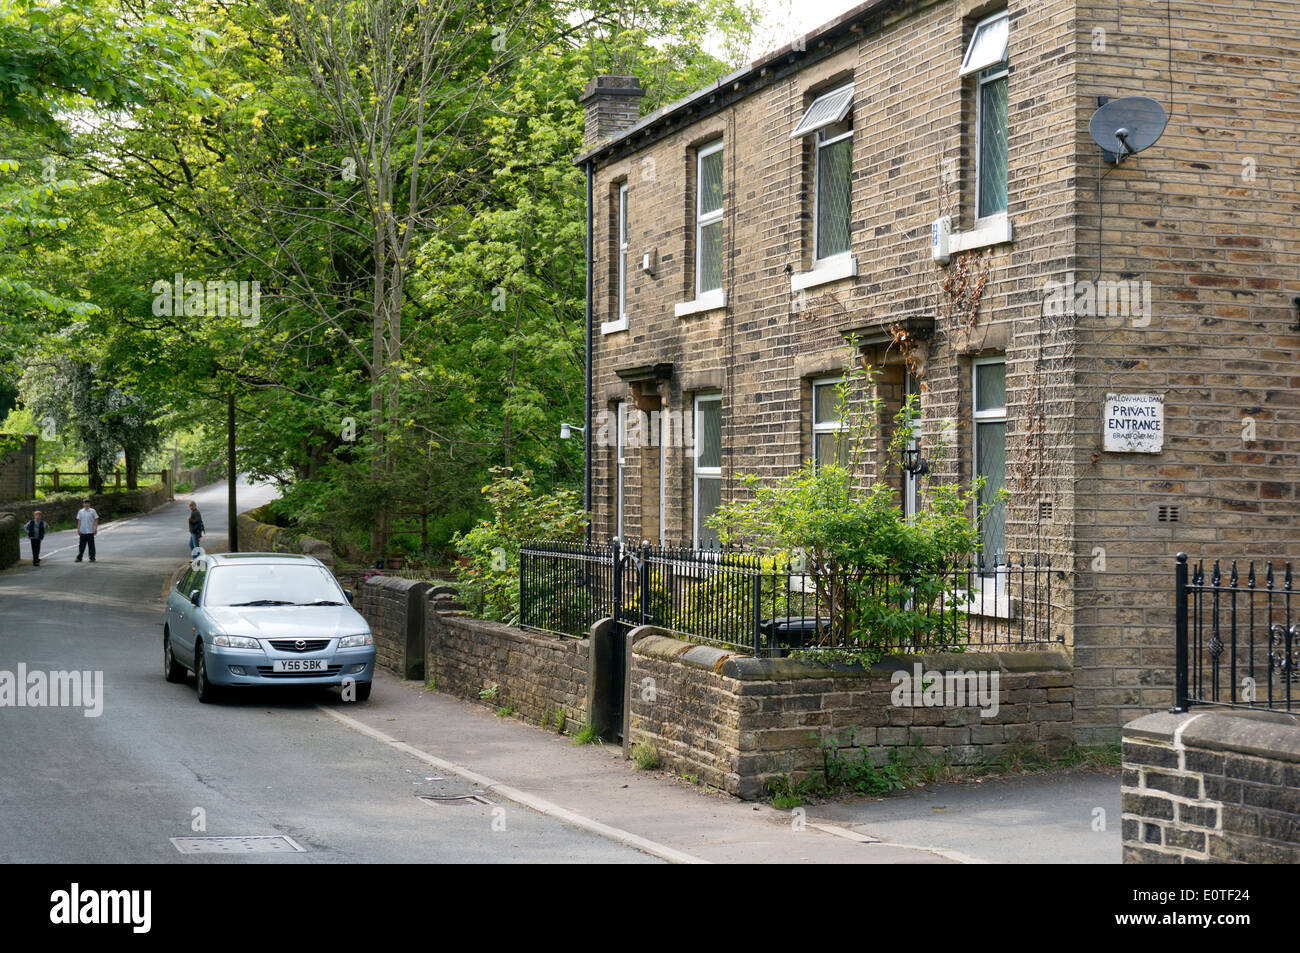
x=454 y=800
x=254 y=844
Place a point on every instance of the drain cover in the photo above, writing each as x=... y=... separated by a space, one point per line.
x=454 y=799
x=254 y=844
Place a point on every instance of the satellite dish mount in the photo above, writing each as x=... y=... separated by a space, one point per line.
x=1124 y=127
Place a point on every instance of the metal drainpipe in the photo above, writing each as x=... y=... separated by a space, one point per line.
x=586 y=432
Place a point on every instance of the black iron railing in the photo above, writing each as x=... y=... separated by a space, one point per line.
x=1237 y=636
x=770 y=604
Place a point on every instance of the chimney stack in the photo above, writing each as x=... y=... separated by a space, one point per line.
x=613 y=104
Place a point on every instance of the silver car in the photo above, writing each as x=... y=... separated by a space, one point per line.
x=259 y=619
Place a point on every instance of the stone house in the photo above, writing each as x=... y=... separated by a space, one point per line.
x=1116 y=345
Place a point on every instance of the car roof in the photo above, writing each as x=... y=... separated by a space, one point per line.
x=217 y=559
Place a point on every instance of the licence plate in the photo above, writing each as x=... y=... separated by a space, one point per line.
x=300 y=665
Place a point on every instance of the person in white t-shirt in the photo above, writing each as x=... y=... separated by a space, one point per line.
x=87 y=527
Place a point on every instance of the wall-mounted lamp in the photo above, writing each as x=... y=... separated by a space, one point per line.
x=568 y=430
x=912 y=462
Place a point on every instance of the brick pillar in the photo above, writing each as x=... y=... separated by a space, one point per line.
x=613 y=103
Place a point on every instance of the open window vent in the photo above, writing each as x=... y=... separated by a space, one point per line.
x=1045 y=511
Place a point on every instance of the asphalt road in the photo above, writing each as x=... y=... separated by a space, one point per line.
x=157 y=765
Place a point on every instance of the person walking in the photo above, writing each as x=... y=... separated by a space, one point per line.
x=87 y=528
x=36 y=528
x=196 y=528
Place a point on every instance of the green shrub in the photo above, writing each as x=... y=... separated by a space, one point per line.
x=881 y=580
x=489 y=574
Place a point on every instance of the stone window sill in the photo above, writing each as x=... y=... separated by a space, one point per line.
x=709 y=301
x=610 y=327
x=992 y=602
x=994 y=230
x=832 y=269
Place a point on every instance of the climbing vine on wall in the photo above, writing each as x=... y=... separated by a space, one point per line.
x=913 y=348
x=967 y=277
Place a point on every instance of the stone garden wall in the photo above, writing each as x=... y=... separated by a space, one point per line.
x=257 y=534
x=740 y=723
x=420 y=632
x=109 y=506
x=1212 y=785
x=394 y=607
x=735 y=722
x=535 y=674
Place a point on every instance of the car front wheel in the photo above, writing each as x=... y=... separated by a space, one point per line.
x=363 y=691
x=173 y=670
x=207 y=692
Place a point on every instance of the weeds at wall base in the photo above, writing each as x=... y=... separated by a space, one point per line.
x=912 y=766
x=587 y=735
x=645 y=756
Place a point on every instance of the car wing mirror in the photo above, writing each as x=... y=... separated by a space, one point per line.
x=347 y=594
x=194 y=596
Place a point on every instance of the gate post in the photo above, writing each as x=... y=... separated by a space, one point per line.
x=1180 y=634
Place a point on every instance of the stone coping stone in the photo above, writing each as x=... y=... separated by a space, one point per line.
x=650 y=642
x=395 y=582
x=1264 y=734
x=463 y=620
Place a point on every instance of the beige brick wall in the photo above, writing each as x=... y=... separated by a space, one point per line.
x=1208 y=217
x=1219 y=248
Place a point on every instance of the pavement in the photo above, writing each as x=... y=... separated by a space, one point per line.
x=411 y=775
x=1064 y=817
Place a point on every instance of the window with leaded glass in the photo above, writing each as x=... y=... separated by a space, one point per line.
x=708 y=219
x=986 y=59
x=989 y=400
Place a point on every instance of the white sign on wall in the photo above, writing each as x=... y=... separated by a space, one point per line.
x=1133 y=423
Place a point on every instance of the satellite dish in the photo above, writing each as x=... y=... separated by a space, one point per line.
x=1128 y=125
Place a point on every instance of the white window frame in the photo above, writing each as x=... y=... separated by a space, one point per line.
x=621 y=322
x=703 y=473
x=985 y=416
x=702 y=219
x=991 y=73
x=836 y=426
x=820 y=260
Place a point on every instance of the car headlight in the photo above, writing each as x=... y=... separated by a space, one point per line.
x=236 y=642
x=356 y=641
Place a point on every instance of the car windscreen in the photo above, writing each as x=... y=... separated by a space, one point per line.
x=255 y=584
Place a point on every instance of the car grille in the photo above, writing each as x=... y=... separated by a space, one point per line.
x=291 y=645
x=267 y=671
